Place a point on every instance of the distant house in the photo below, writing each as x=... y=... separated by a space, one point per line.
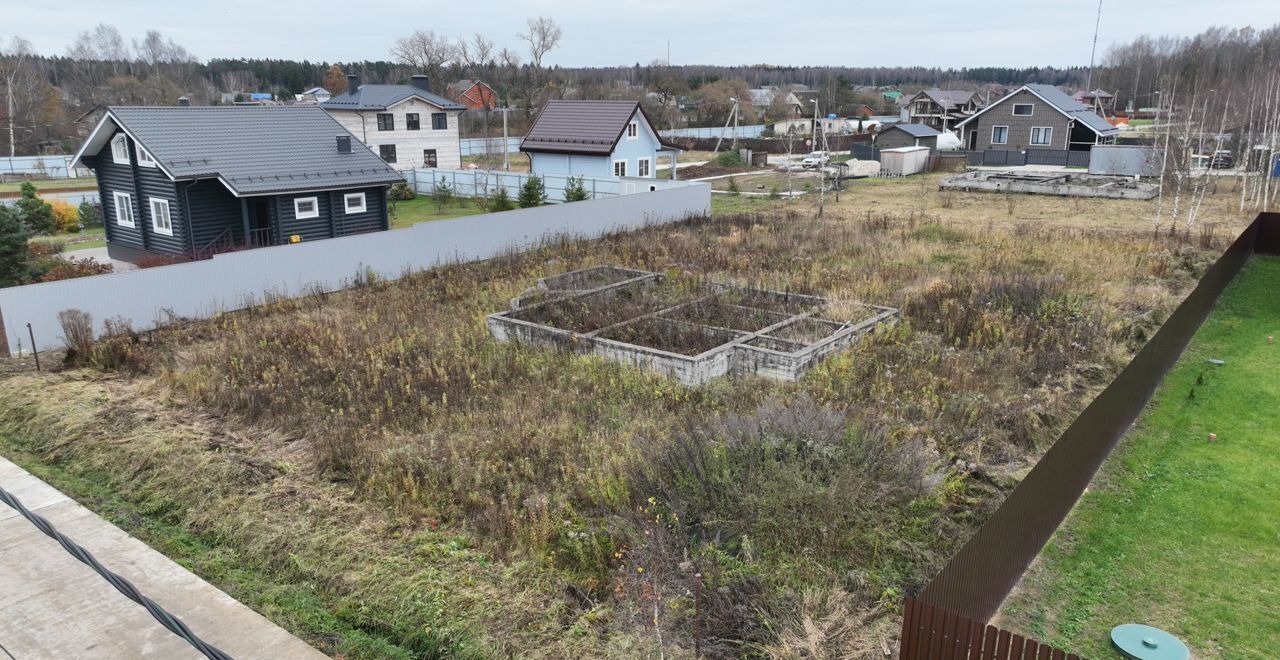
x=595 y=138
x=941 y=109
x=1101 y=101
x=89 y=119
x=863 y=110
x=1036 y=117
x=892 y=95
x=762 y=97
x=908 y=135
x=315 y=95
x=183 y=180
x=801 y=102
x=473 y=94
x=407 y=125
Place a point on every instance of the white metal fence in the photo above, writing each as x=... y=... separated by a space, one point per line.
x=236 y=280
x=715 y=131
x=41 y=167
x=482 y=146
x=483 y=183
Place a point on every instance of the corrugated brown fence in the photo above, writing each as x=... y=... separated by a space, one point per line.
x=976 y=580
x=930 y=632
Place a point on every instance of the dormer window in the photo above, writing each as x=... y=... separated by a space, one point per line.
x=120 y=149
x=144 y=158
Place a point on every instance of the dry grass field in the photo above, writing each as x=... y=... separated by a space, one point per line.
x=373 y=472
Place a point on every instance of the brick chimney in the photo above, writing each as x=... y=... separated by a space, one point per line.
x=344 y=144
x=184 y=102
x=353 y=83
x=421 y=81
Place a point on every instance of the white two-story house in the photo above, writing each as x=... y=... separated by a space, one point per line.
x=407 y=125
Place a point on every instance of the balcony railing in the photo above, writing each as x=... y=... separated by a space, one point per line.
x=260 y=237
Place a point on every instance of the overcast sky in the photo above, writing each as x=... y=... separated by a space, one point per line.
x=614 y=32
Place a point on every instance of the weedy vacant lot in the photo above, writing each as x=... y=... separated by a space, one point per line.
x=372 y=471
x=1181 y=531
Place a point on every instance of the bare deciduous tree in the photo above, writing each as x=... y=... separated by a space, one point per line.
x=477 y=53
x=26 y=92
x=543 y=36
x=427 y=51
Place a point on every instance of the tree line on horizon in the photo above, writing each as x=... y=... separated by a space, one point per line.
x=46 y=94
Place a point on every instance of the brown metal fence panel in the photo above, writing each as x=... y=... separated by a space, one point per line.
x=933 y=633
x=976 y=580
x=945 y=621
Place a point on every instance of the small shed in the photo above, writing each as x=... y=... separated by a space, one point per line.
x=903 y=161
x=908 y=135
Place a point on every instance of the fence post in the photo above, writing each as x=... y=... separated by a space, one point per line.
x=4 y=337
x=34 y=351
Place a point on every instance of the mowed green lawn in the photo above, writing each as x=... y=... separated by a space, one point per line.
x=51 y=184
x=89 y=238
x=1180 y=532
x=424 y=209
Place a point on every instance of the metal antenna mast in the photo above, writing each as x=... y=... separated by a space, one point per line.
x=1088 y=86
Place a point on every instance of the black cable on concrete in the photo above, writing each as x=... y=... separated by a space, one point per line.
x=173 y=623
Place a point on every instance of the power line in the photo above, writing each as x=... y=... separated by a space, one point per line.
x=173 y=623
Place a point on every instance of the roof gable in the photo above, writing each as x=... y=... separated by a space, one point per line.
x=253 y=150
x=583 y=127
x=1059 y=101
x=948 y=99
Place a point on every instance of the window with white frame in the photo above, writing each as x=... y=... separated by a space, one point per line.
x=161 y=219
x=144 y=158
x=633 y=130
x=123 y=203
x=1023 y=109
x=999 y=135
x=619 y=168
x=642 y=167
x=306 y=207
x=120 y=149
x=1042 y=135
x=353 y=202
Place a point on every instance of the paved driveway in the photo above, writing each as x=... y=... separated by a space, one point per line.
x=99 y=254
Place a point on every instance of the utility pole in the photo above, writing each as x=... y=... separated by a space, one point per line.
x=735 y=125
x=822 y=167
x=506 y=143
x=733 y=112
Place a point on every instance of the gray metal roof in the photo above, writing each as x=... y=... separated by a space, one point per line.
x=916 y=130
x=253 y=150
x=948 y=99
x=381 y=97
x=1073 y=108
x=580 y=127
x=1060 y=102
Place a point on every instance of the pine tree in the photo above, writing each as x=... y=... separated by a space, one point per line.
x=90 y=214
x=13 y=248
x=501 y=201
x=532 y=193
x=34 y=212
x=575 y=190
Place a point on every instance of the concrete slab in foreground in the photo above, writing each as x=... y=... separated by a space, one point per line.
x=54 y=606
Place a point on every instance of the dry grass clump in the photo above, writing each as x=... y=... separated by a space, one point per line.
x=637 y=494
